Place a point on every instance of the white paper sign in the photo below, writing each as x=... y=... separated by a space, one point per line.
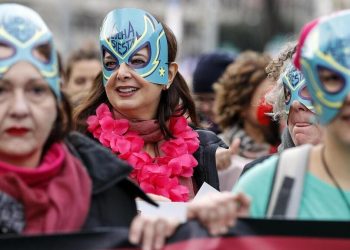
x=172 y=209
x=166 y=209
x=204 y=190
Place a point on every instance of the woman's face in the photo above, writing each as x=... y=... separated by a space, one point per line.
x=83 y=74
x=128 y=92
x=27 y=112
x=259 y=93
x=301 y=127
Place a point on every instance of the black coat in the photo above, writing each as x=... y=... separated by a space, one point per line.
x=113 y=194
x=206 y=170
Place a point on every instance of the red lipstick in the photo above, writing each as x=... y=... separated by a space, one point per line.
x=17 y=131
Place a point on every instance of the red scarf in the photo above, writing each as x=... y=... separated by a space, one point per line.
x=148 y=130
x=55 y=195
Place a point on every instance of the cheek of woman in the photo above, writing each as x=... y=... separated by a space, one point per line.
x=134 y=97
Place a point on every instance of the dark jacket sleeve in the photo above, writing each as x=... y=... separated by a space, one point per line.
x=205 y=155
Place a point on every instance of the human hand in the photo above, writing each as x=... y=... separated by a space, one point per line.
x=219 y=211
x=223 y=155
x=151 y=232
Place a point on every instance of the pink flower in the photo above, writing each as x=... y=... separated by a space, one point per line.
x=174 y=147
x=120 y=145
x=151 y=170
x=138 y=160
x=178 y=124
x=92 y=122
x=163 y=160
x=107 y=124
x=105 y=139
x=121 y=126
x=118 y=127
x=192 y=145
x=156 y=185
x=151 y=187
x=180 y=129
x=103 y=111
x=147 y=187
x=136 y=142
x=179 y=193
x=183 y=165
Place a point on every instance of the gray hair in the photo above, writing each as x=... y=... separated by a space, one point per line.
x=275 y=71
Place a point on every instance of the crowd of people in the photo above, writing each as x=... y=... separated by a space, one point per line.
x=121 y=124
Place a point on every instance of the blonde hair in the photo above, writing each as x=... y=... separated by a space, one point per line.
x=275 y=71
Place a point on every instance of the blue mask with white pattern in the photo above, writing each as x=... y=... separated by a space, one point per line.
x=294 y=88
x=126 y=31
x=22 y=31
x=327 y=47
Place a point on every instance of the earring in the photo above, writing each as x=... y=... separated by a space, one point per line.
x=166 y=87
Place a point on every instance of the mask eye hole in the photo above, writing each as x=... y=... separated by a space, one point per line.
x=109 y=61
x=287 y=94
x=6 y=50
x=331 y=81
x=141 y=57
x=42 y=52
x=304 y=93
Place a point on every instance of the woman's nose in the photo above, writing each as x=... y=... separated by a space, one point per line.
x=298 y=106
x=123 y=72
x=20 y=105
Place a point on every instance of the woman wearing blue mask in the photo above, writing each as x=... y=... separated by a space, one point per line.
x=51 y=180
x=319 y=175
x=139 y=107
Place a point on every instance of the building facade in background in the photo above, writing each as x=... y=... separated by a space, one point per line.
x=199 y=25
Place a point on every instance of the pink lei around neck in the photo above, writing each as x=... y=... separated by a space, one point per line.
x=157 y=175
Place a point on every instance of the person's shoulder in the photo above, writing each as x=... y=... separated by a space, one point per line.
x=260 y=175
x=254 y=163
x=265 y=166
x=100 y=162
x=257 y=184
x=207 y=137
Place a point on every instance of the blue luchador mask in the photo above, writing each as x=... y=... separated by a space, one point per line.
x=295 y=88
x=126 y=31
x=325 y=57
x=22 y=31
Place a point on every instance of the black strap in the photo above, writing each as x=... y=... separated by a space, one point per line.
x=284 y=195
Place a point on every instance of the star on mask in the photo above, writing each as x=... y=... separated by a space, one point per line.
x=161 y=71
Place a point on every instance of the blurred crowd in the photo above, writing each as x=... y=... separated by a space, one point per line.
x=118 y=122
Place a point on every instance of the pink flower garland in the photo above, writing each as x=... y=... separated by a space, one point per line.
x=157 y=175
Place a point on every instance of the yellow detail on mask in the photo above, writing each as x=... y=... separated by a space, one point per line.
x=318 y=91
x=9 y=37
x=147 y=22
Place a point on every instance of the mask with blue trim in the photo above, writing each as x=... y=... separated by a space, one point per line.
x=126 y=31
x=22 y=31
x=327 y=49
x=294 y=88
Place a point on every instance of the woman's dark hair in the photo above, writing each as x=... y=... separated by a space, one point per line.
x=63 y=122
x=176 y=100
